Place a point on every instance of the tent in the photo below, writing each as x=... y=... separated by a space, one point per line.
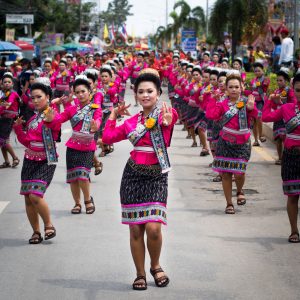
x=6 y=46
x=24 y=46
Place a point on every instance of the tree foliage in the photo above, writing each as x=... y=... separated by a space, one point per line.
x=49 y=15
x=241 y=18
x=183 y=18
x=116 y=13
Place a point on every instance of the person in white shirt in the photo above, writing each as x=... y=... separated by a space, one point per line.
x=287 y=49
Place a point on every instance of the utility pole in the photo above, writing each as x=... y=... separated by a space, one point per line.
x=167 y=16
x=296 y=24
x=206 y=19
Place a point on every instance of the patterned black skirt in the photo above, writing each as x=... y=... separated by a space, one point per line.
x=201 y=121
x=231 y=157
x=143 y=192
x=6 y=125
x=79 y=164
x=260 y=106
x=105 y=117
x=36 y=176
x=279 y=130
x=290 y=171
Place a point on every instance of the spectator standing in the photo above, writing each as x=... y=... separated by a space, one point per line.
x=287 y=49
x=276 y=53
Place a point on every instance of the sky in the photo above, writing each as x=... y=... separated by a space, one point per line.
x=150 y=14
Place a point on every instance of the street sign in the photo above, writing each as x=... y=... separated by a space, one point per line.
x=19 y=19
x=188 y=40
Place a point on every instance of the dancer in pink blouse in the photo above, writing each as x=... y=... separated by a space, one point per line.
x=9 y=107
x=85 y=120
x=233 y=147
x=290 y=167
x=39 y=160
x=144 y=183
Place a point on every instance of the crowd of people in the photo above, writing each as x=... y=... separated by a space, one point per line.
x=210 y=98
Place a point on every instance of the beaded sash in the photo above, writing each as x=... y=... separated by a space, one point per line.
x=294 y=122
x=86 y=115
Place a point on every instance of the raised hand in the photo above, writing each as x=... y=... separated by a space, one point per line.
x=19 y=121
x=215 y=95
x=167 y=114
x=122 y=110
x=49 y=114
x=250 y=102
x=94 y=126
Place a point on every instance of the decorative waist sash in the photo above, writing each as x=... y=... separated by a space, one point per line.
x=37 y=145
x=82 y=138
x=293 y=123
x=86 y=115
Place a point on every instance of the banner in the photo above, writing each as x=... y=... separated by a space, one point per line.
x=9 y=35
x=188 y=40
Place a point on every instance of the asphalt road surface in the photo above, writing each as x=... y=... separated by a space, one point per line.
x=207 y=254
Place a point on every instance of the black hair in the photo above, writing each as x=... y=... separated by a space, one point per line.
x=63 y=62
x=8 y=76
x=92 y=76
x=238 y=61
x=197 y=70
x=214 y=72
x=276 y=40
x=284 y=75
x=222 y=74
x=43 y=87
x=106 y=70
x=296 y=79
x=258 y=65
x=148 y=77
x=206 y=71
x=37 y=61
x=81 y=81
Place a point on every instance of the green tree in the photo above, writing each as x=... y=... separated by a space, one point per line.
x=238 y=17
x=116 y=13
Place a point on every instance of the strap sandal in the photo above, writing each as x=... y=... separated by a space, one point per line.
x=76 y=209
x=5 y=165
x=241 y=200
x=188 y=136
x=98 y=168
x=138 y=285
x=111 y=148
x=16 y=161
x=218 y=178
x=102 y=154
x=50 y=235
x=294 y=237
x=229 y=210
x=160 y=281
x=278 y=162
x=204 y=152
x=36 y=238
x=91 y=209
x=262 y=139
x=256 y=144
x=194 y=144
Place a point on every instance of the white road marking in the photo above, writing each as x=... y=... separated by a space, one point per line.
x=67 y=130
x=3 y=204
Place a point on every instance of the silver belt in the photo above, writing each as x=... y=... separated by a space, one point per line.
x=144 y=149
x=238 y=132
x=293 y=136
x=37 y=145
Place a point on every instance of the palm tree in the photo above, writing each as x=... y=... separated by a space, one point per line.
x=235 y=16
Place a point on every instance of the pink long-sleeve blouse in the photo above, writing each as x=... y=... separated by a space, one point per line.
x=145 y=155
x=285 y=113
x=10 y=111
x=32 y=138
x=231 y=130
x=80 y=141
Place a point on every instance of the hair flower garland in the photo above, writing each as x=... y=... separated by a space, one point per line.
x=258 y=83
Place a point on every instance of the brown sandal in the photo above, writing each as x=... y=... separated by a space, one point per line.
x=36 y=238
x=16 y=161
x=204 y=152
x=91 y=209
x=5 y=165
x=241 y=200
x=98 y=168
x=138 y=286
x=229 y=210
x=50 y=235
x=161 y=281
x=294 y=239
x=76 y=209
